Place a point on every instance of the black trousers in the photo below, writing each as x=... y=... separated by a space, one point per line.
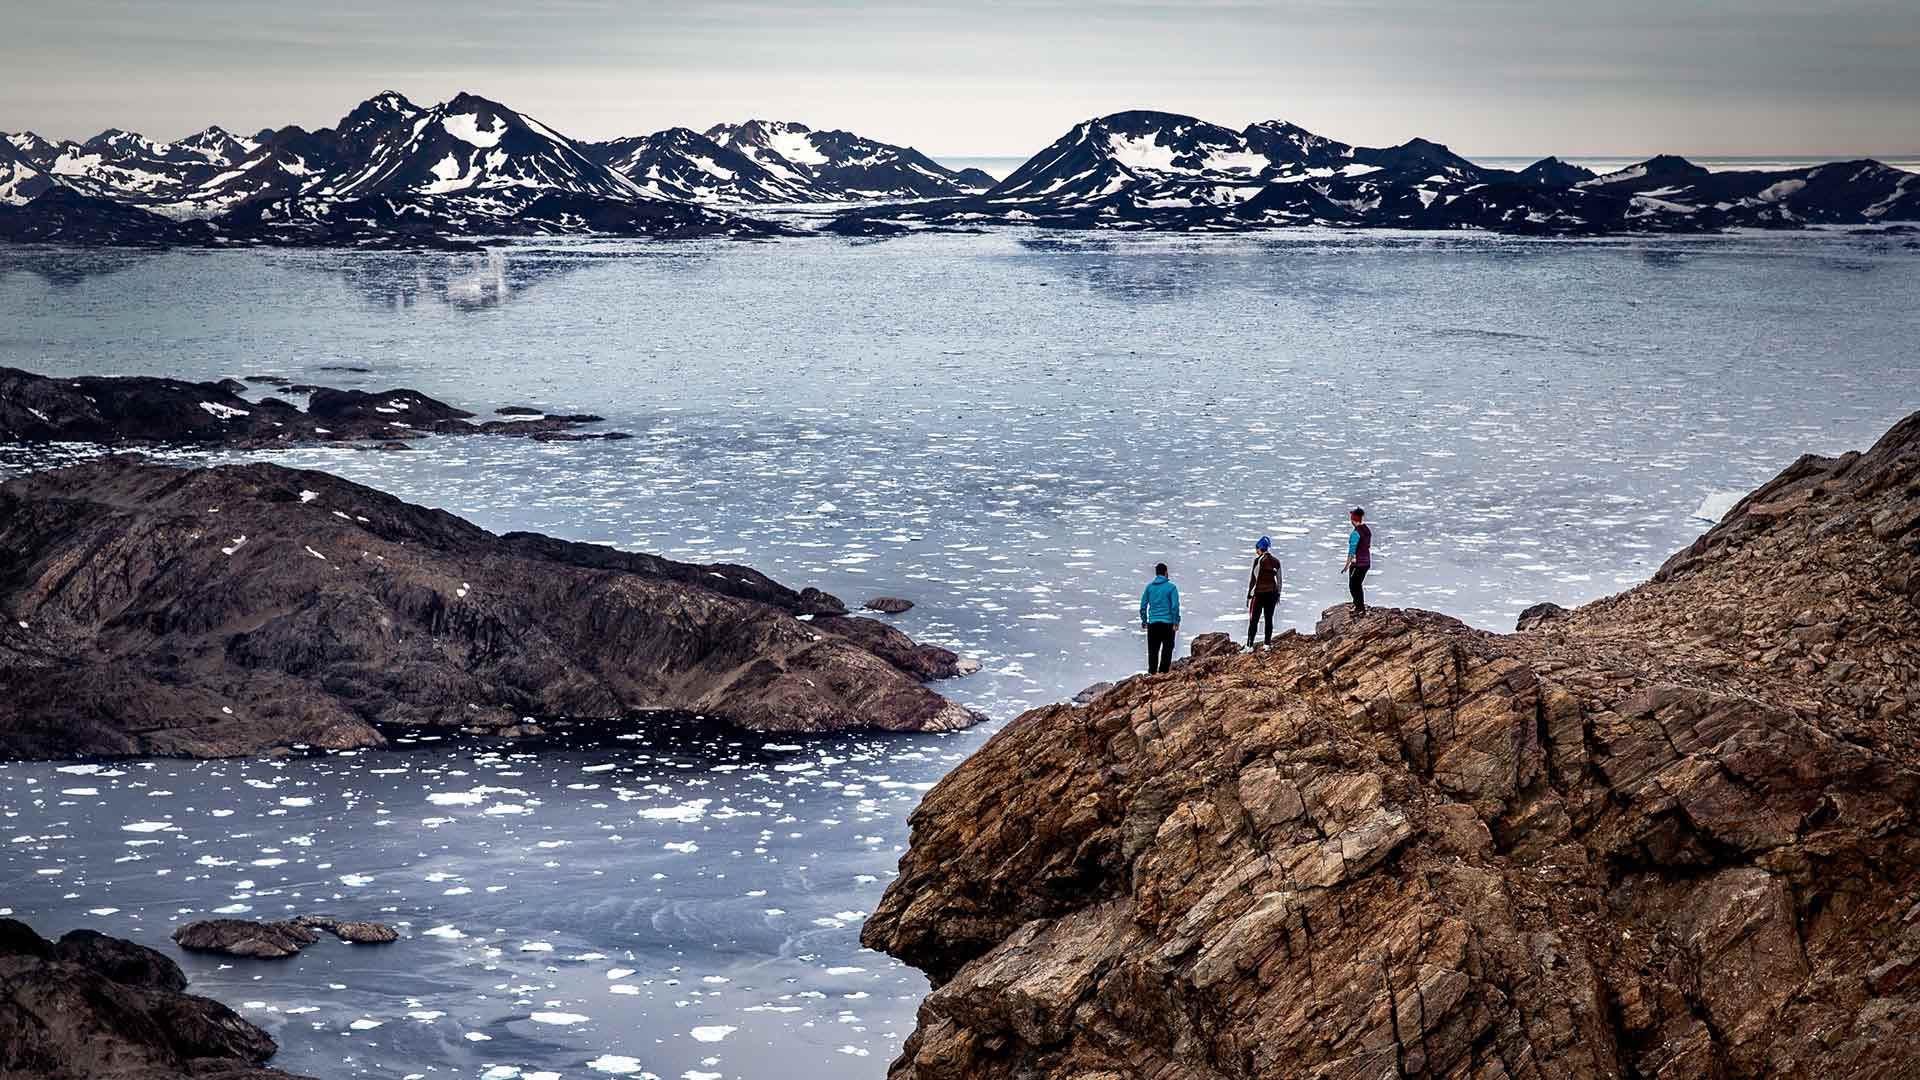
x=1354 y=577
x=1263 y=605
x=1159 y=647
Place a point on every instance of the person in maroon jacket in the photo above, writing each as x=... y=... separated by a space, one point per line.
x=1263 y=589
x=1359 y=558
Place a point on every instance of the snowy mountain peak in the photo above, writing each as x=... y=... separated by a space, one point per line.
x=218 y=145
x=828 y=165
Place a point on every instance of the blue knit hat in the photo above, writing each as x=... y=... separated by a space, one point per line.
x=1263 y=545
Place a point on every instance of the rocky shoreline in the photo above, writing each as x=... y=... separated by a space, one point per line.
x=92 y=1007
x=1670 y=834
x=158 y=610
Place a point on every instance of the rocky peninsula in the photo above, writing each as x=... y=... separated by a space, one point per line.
x=92 y=1007
x=151 y=609
x=1671 y=833
x=139 y=410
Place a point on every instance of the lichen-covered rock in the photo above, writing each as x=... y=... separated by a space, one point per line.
x=1672 y=834
x=148 y=609
x=245 y=937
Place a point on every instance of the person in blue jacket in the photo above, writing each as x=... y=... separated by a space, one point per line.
x=1160 y=618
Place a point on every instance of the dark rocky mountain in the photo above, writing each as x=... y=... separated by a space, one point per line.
x=1551 y=172
x=390 y=174
x=154 y=610
x=680 y=163
x=1152 y=170
x=92 y=1007
x=1673 y=833
x=839 y=166
x=61 y=215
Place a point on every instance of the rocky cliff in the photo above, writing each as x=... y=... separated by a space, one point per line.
x=1669 y=834
x=158 y=610
x=91 y=1007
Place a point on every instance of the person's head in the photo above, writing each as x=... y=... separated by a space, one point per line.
x=1357 y=515
x=1263 y=544
x=1160 y=569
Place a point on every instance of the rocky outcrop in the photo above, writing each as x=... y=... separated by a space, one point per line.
x=90 y=1007
x=889 y=605
x=1671 y=834
x=206 y=612
x=123 y=410
x=273 y=940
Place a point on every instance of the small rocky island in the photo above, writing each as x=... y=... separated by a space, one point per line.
x=139 y=410
x=92 y=1007
x=1669 y=834
x=151 y=609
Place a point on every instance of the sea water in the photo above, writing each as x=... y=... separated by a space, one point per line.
x=1008 y=429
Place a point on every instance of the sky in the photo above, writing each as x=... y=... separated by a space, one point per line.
x=1005 y=77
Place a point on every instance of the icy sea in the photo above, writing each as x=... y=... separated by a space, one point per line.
x=1009 y=429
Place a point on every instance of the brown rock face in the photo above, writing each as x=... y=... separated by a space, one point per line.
x=90 y=1007
x=1670 y=835
x=158 y=610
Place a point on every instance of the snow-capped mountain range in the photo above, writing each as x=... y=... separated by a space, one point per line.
x=395 y=173
x=467 y=167
x=1155 y=170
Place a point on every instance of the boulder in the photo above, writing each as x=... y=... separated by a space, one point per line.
x=1677 y=835
x=889 y=605
x=213 y=612
x=1215 y=644
x=1539 y=615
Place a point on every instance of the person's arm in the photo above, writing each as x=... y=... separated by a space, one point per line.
x=1353 y=549
x=1176 y=604
x=1143 y=604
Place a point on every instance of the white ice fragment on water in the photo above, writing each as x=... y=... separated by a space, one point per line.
x=296 y=800
x=686 y=813
x=561 y=1018
x=426 y=1016
x=625 y=988
x=80 y=791
x=506 y=808
x=537 y=946
x=1716 y=504
x=695 y=1074
x=474 y=1036
x=148 y=826
x=308 y=496
x=223 y=412
x=103 y=911
x=233 y=909
x=686 y=847
x=845 y=970
x=447 y=932
x=616 y=1064
x=356 y=880
x=854 y=1051
x=501 y=1072
x=456 y=798
x=364 y=1024
x=78 y=770
x=619 y=973
x=714 y=1033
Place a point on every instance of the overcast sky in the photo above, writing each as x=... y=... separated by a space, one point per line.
x=1004 y=77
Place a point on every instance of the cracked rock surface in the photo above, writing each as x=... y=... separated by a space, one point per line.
x=1671 y=834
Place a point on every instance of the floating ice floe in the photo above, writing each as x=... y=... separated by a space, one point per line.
x=148 y=827
x=616 y=1064
x=712 y=1034
x=559 y=1018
